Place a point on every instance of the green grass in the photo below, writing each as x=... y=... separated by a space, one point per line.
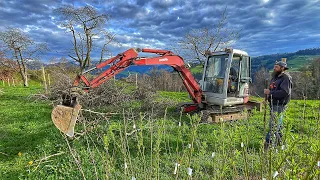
x=197 y=69
x=25 y=128
x=114 y=149
x=298 y=62
x=173 y=96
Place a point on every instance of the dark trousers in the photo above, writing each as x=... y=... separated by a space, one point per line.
x=275 y=124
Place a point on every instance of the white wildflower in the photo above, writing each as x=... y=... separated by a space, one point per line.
x=213 y=154
x=176 y=168
x=189 y=171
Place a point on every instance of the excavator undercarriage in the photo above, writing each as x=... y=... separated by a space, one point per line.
x=217 y=114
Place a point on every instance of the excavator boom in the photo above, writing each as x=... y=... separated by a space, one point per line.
x=130 y=57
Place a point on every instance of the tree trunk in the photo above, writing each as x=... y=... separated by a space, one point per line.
x=44 y=80
x=22 y=67
x=25 y=80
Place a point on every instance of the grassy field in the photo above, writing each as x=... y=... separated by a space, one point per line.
x=146 y=145
x=26 y=133
x=298 y=62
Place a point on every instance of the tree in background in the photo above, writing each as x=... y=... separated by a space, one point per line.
x=259 y=82
x=23 y=49
x=7 y=67
x=197 y=42
x=315 y=68
x=85 y=25
x=308 y=81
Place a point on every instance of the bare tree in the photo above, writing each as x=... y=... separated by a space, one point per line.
x=7 y=67
x=197 y=42
x=85 y=25
x=315 y=68
x=8 y=63
x=307 y=82
x=259 y=82
x=23 y=49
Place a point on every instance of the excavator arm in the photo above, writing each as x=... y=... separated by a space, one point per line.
x=130 y=57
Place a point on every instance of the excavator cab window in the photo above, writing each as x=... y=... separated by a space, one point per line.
x=234 y=69
x=215 y=72
x=245 y=68
x=239 y=75
x=234 y=75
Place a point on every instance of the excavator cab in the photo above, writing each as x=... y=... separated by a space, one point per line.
x=226 y=78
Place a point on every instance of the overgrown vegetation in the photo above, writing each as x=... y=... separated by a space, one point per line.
x=145 y=145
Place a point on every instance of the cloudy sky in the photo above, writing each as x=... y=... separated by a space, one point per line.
x=265 y=26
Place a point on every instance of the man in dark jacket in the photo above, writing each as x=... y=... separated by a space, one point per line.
x=279 y=95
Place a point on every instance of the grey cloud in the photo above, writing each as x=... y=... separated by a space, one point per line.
x=142 y=2
x=162 y=5
x=275 y=26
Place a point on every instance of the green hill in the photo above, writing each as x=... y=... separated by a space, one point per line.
x=295 y=60
x=299 y=61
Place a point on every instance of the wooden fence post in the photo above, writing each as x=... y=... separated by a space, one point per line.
x=44 y=80
x=49 y=81
x=8 y=82
x=137 y=80
x=13 y=83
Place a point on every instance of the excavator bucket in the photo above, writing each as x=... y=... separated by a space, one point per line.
x=64 y=118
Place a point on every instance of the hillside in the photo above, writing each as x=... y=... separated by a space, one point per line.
x=295 y=60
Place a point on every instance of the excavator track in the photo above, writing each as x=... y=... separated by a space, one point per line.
x=216 y=114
